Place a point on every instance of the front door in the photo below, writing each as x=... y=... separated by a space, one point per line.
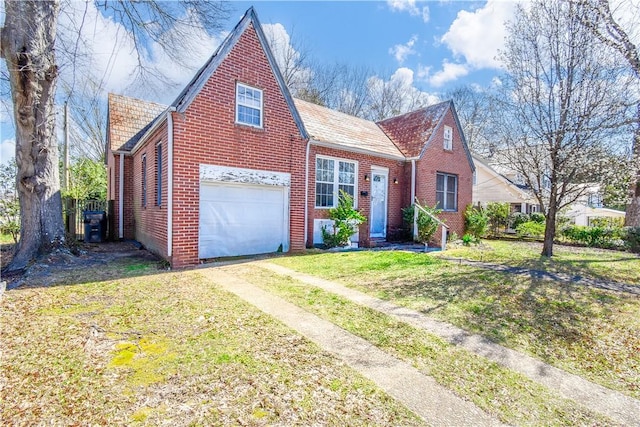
x=378 y=219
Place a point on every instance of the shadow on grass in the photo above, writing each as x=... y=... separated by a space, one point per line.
x=93 y=263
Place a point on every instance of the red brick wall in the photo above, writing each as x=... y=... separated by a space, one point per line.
x=437 y=159
x=396 y=195
x=151 y=220
x=207 y=133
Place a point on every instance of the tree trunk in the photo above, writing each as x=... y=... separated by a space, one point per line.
x=549 y=231
x=632 y=217
x=28 y=39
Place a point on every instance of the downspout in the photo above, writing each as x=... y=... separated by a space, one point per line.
x=170 y=181
x=121 y=199
x=306 y=193
x=413 y=198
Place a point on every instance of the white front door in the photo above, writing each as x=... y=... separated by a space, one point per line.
x=378 y=218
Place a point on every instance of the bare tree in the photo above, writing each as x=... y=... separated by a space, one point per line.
x=564 y=99
x=474 y=108
x=28 y=39
x=610 y=31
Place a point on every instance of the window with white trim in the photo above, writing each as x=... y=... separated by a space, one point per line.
x=446 y=191
x=248 y=105
x=448 y=138
x=333 y=175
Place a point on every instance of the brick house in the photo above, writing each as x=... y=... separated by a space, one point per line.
x=236 y=166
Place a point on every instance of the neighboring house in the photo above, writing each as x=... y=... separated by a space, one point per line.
x=590 y=207
x=236 y=166
x=491 y=186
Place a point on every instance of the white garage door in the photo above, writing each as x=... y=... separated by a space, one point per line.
x=241 y=219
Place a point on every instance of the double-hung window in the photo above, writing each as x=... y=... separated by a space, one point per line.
x=447 y=191
x=333 y=176
x=144 y=180
x=159 y=174
x=248 y=105
x=448 y=138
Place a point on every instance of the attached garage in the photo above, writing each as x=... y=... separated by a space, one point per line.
x=242 y=212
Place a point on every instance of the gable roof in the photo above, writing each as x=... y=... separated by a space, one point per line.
x=339 y=129
x=129 y=119
x=250 y=18
x=521 y=190
x=411 y=132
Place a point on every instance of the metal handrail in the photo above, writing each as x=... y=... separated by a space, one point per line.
x=445 y=227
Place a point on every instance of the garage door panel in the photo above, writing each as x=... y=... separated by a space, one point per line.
x=242 y=219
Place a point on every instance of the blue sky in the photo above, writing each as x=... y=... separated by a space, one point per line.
x=431 y=45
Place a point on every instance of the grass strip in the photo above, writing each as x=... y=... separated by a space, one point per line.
x=590 y=332
x=509 y=395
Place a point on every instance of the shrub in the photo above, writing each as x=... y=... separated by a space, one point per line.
x=427 y=226
x=475 y=221
x=517 y=218
x=537 y=217
x=601 y=237
x=530 y=229
x=498 y=216
x=468 y=239
x=631 y=237
x=346 y=221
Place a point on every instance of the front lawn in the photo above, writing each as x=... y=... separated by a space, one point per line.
x=587 y=331
x=128 y=344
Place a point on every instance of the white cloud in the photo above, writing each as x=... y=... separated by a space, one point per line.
x=7 y=150
x=286 y=55
x=106 y=50
x=402 y=51
x=411 y=7
x=477 y=36
x=450 y=72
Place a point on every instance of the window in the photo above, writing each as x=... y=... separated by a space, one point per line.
x=248 y=105
x=144 y=180
x=448 y=138
x=447 y=192
x=159 y=174
x=595 y=200
x=333 y=175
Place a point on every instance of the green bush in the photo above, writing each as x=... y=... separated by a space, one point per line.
x=631 y=237
x=517 y=218
x=476 y=221
x=600 y=237
x=427 y=226
x=531 y=229
x=346 y=221
x=537 y=217
x=498 y=216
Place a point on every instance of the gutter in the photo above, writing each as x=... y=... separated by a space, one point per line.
x=413 y=198
x=356 y=150
x=170 y=181
x=121 y=197
x=306 y=193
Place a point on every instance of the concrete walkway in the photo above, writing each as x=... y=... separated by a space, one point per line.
x=613 y=404
x=420 y=393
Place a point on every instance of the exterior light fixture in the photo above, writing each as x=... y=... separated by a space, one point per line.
x=366 y=177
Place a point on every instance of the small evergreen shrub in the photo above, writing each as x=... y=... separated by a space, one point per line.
x=530 y=229
x=517 y=218
x=346 y=221
x=498 y=216
x=427 y=226
x=475 y=221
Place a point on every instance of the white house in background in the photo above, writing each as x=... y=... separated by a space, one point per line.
x=589 y=207
x=492 y=186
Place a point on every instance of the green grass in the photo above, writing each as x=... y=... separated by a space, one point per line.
x=510 y=396
x=589 y=262
x=168 y=348
x=586 y=331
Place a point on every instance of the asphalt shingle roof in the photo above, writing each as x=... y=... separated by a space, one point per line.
x=129 y=119
x=343 y=130
x=410 y=132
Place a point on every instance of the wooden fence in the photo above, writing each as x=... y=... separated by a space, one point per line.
x=74 y=215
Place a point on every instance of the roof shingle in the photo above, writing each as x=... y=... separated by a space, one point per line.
x=412 y=131
x=340 y=129
x=129 y=119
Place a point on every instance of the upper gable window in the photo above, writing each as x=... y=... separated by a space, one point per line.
x=248 y=105
x=448 y=138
